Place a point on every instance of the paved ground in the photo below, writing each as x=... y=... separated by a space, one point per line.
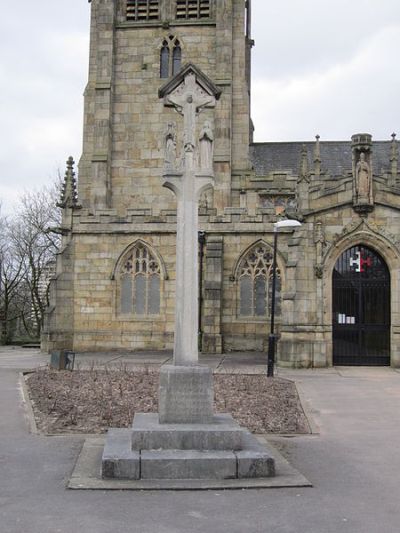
x=354 y=464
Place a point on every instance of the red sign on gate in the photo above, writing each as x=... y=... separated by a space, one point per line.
x=360 y=262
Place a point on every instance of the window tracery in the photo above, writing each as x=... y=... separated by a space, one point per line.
x=255 y=283
x=170 y=57
x=140 y=282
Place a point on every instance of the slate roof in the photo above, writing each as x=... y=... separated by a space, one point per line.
x=336 y=157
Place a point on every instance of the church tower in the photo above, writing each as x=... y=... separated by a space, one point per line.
x=136 y=46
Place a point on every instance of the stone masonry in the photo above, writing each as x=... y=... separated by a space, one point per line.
x=122 y=204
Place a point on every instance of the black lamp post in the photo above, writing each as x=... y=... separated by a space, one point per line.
x=272 y=336
x=202 y=242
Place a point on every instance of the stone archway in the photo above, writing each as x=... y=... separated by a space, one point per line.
x=389 y=252
x=361 y=315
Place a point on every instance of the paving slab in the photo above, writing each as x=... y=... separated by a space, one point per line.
x=20 y=358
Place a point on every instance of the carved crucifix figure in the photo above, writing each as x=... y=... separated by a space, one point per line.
x=188 y=99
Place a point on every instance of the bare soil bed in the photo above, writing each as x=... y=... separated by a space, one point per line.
x=91 y=401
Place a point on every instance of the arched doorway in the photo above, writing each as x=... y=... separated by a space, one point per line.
x=361 y=308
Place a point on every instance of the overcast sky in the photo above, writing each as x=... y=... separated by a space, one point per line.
x=319 y=66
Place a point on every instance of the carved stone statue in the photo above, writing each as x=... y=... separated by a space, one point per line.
x=206 y=146
x=170 y=147
x=363 y=181
x=320 y=245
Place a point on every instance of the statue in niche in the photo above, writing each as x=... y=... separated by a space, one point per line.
x=320 y=245
x=170 y=147
x=206 y=146
x=363 y=181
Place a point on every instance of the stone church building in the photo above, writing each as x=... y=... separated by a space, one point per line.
x=338 y=274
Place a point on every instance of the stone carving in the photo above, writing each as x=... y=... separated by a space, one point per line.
x=280 y=203
x=206 y=147
x=362 y=226
x=320 y=245
x=170 y=148
x=363 y=181
x=189 y=99
x=363 y=202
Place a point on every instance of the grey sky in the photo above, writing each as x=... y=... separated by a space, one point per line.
x=319 y=66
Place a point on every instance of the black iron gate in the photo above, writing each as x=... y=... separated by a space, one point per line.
x=361 y=308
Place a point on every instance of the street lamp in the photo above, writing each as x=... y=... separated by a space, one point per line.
x=272 y=336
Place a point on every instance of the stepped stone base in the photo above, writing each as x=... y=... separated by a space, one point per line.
x=218 y=450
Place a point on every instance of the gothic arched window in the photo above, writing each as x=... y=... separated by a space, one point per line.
x=170 y=57
x=176 y=58
x=255 y=283
x=140 y=282
x=164 y=60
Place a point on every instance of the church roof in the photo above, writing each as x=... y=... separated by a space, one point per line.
x=336 y=157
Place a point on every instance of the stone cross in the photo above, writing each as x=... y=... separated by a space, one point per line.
x=188 y=94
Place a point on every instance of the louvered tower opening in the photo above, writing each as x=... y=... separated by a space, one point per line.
x=142 y=10
x=193 y=9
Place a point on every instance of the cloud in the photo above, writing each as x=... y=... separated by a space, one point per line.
x=43 y=70
x=356 y=94
x=294 y=38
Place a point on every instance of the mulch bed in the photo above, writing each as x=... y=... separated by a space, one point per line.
x=91 y=401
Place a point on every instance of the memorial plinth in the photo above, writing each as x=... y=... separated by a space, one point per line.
x=186 y=395
x=185 y=440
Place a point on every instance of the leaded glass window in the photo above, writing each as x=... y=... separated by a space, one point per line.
x=170 y=57
x=255 y=283
x=176 y=58
x=140 y=283
x=164 y=60
x=193 y=9
x=142 y=10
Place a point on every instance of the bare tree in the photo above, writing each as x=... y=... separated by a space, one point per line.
x=35 y=248
x=11 y=279
x=27 y=257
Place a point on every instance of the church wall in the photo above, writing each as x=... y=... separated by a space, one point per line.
x=139 y=117
x=98 y=324
x=239 y=332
